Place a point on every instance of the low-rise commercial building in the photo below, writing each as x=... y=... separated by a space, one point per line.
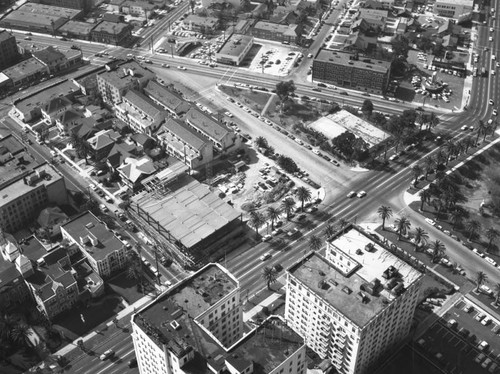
x=25 y=72
x=453 y=9
x=349 y=70
x=204 y=25
x=112 y=33
x=356 y=305
x=39 y=18
x=24 y=197
x=291 y=34
x=138 y=8
x=234 y=49
x=84 y=5
x=185 y=144
x=76 y=29
x=104 y=252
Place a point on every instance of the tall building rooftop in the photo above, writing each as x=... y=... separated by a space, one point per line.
x=123 y=75
x=101 y=242
x=14 y=160
x=206 y=124
x=348 y=59
x=25 y=68
x=41 y=175
x=362 y=278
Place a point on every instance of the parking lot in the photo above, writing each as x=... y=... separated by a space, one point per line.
x=455 y=342
x=276 y=59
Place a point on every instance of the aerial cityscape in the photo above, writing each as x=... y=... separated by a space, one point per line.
x=238 y=187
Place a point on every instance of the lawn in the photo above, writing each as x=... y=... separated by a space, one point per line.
x=125 y=287
x=97 y=312
x=255 y=100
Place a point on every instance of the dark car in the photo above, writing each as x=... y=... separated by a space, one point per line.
x=322 y=85
x=278 y=267
x=132 y=363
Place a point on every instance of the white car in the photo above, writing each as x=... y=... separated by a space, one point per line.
x=181 y=67
x=107 y=354
x=93 y=187
x=430 y=221
x=229 y=114
x=490 y=39
x=361 y=194
x=491 y=102
x=266 y=238
x=495 y=112
x=265 y=256
x=315 y=151
x=480 y=254
x=491 y=261
x=351 y=194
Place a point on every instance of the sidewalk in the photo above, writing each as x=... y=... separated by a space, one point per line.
x=126 y=312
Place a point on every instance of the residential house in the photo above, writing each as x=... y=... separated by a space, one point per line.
x=166 y=98
x=119 y=153
x=138 y=8
x=51 y=282
x=140 y=112
x=359 y=42
x=211 y=129
x=66 y=119
x=105 y=253
x=102 y=143
x=134 y=170
x=142 y=141
x=204 y=25
x=185 y=144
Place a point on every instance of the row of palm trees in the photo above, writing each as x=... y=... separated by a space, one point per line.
x=257 y=219
x=420 y=236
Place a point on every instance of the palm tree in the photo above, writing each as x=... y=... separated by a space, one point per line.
x=450 y=150
x=480 y=129
x=315 y=243
x=472 y=228
x=403 y=225
x=343 y=224
x=491 y=234
x=384 y=212
x=21 y=333
x=429 y=164
x=486 y=131
x=273 y=214
x=497 y=293
x=432 y=120
x=425 y=195
x=329 y=231
x=456 y=217
x=438 y=249
x=420 y=236
x=440 y=157
x=261 y=142
x=287 y=206
x=416 y=171
x=303 y=194
x=257 y=219
x=481 y=278
x=270 y=275
x=468 y=142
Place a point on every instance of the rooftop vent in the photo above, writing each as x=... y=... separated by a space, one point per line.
x=89 y=225
x=175 y=325
x=347 y=290
x=391 y=272
x=369 y=247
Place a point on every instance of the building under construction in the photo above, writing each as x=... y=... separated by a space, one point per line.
x=185 y=219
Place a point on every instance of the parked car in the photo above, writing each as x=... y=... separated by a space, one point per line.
x=265 y=256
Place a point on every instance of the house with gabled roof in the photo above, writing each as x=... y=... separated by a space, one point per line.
x=102 y=143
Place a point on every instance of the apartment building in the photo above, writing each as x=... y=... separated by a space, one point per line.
x=138 y=8
x=355 y=305
x=165 y=98
x=211 y=129
x=278 y=32
x=9 y=53
x=114 y=83
x=104 y=252
x=349 y=70
x=140 y=112
x=198 y=323
x=23 y=198
x=453 y=9
x=185 y=144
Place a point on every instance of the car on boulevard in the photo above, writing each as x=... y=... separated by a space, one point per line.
x=495 y=112
x=361 y=194
x=266 y=238
x=491 y=102
x=430 y=221
x=351 y=194
x=265 y=256
x=109 y=353
x=181 y=67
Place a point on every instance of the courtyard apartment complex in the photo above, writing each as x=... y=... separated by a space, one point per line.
x=197 y=325
x=356 y=304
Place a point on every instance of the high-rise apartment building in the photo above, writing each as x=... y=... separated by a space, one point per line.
x=197 y=326
x=356 y=304
x=9 y=53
